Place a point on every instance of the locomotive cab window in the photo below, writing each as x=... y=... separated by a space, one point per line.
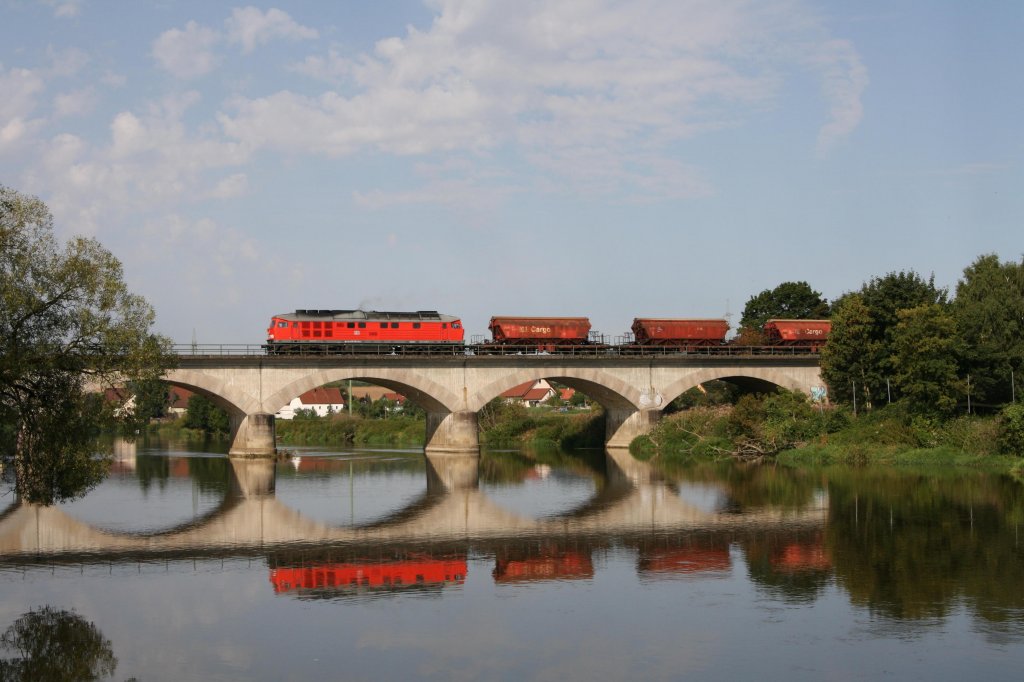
x=456 y=325
x=282 y=325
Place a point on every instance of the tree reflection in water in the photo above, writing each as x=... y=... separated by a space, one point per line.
x=55 y=645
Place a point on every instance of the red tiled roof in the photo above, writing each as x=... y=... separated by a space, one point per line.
x=519 y=391
x=322 y=396
x=568 y=393
x=536 y=394
x=396 y=397
x=180 y=396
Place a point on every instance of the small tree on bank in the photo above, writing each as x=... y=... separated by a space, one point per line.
x=67 y=324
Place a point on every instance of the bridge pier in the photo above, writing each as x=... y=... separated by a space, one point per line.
x=622 y=426
x=252 y=435
x=452 y=432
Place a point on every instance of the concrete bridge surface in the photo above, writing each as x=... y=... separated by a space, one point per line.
x=452 y=389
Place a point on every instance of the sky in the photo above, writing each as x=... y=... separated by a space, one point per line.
x=600 y=158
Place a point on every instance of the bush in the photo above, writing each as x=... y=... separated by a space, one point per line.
x=1011 y=430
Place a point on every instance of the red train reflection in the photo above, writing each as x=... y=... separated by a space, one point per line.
x=561 y=566
x=686 y=560
x=393 y=575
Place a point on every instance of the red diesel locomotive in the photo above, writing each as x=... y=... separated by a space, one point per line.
x=373 y=331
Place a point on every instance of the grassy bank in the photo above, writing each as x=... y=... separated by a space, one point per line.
x=345 y=430
x=798 y=437
x=514 y=427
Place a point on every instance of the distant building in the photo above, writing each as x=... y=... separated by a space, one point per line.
x=323 y=401
x=530 y=394
x=178 y=401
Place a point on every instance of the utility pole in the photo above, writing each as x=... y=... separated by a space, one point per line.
x=968 y=394
x=854 y=397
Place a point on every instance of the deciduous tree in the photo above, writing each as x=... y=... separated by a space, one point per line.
x=789 y=300
x=67 y=323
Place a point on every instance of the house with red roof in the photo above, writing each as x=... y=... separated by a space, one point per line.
x=531 y=393
x=323 y=401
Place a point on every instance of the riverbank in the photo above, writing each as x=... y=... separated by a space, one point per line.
x=822 y=437
x=513 y=428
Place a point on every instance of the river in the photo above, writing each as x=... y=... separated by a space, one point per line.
x=383 y=565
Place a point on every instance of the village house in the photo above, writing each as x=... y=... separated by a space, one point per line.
x=530 y=394
x=322 y=401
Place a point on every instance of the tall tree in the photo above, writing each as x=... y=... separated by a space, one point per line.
x=789 y=300
x=846 y=359
x=989 y=310
x=67 y=324
x=883 y=298
x=926 y=354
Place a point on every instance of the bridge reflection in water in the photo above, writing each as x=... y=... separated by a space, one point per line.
x=424 y=546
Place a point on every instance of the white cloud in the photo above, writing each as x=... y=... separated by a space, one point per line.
x=64 y=9
x=186 y=53
x=20 y=88
x=74 y=103
x=566 y=84
x=844 y=80
x=235 y=185
x=250 y=27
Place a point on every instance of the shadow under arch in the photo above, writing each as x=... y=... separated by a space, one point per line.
x=428 y=394
x=754 y=380
x=611 y=392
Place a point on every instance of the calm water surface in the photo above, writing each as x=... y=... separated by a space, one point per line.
x=383 y=565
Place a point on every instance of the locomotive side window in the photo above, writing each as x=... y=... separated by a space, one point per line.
x=444 y=325
x=362 y=325
x=383 y=325
x=415 y=325
x=394 y=325
x=351 y=325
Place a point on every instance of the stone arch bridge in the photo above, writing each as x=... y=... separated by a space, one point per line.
x=452 y=389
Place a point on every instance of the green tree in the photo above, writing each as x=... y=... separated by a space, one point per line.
x=68 y=324
x=989 y=310
x=846 y=358
x=861 y=345
x=926 y=351
x=54 y=646
x=789 y=300
x=204 y=415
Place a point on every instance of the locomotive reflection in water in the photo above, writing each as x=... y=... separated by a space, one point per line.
x=427 y=331
x=329 y=579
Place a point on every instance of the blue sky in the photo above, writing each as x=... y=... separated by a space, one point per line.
x=538 y=157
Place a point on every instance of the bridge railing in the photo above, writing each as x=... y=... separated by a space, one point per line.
x=484 y=350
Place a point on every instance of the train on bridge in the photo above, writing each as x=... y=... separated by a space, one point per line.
x=428 y=331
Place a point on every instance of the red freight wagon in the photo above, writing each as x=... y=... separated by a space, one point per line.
x=811 y=334
x=362 y=330
x=544 y=332
x=679 y=332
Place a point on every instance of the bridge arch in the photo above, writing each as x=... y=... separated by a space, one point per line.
x=428 y=394
x=796 y=379
x=610 y=391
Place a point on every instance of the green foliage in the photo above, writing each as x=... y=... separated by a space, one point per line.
x=54 y=646
x=925 y=352
x=708 y=394
x=67 y=323
x=203 y=415
x=989 y=310
x=789 y=300
x=846 y=360
x=861 y=346
x=1011 y=430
